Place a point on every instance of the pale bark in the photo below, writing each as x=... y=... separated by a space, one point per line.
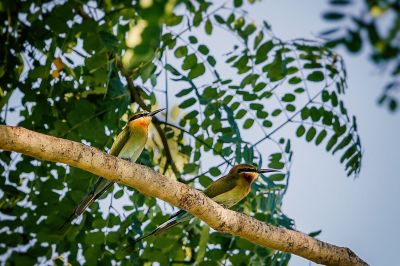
x=153 y=184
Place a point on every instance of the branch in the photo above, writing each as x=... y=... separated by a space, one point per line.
x=153 y=184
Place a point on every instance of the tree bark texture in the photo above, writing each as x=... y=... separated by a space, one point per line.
x=151 y=183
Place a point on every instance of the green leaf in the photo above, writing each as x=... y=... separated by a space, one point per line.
x=256 y=106
x=234 y=106
x=219 y=19
x=300 y=131
x=331 y=142
x=277 y=69
x=311 y=134
x=181 y=51
x=320 y=137
x=197 y=71
x=345 y=141
x=238 y=3
x=203 y=49
x=295 y=80
x=214 y=171
x=316 y=76
x=240 y=114
x=210 y=93
x=171 y=69
x=94 y=238
x=258 y=39
x=205 y=181
x=260 y=86
x=262 y=52
x=325 y=96
x=208 y=27
x=315 y=114
x=197 y=19
x=276 y=165
x=119 y=194
x=189 y=62
x=276 y=112
x=211 y=60
x=109 y=40
x=292 y=70
x=277 y=177
x=348 y=153
x=290 y=107
x=248 y=123
x=334 y=99
x=173 y=20
x=189 y=102
x=267 y=123
x=184 y=92
x=288 y=97
x=193 y=39
x=354 y=41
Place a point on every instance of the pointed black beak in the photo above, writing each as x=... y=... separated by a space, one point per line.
x=263 y=171
x=156 y=112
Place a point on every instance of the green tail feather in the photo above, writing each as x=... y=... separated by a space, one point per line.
x=177 y=218
x=85 y=203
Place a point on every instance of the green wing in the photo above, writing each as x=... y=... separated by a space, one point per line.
x=222 y=185
x=119 y=142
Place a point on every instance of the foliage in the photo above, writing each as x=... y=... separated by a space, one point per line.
x=80 y=67
x=375 y=25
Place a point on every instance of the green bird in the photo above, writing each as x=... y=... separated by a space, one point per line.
x=128 y=145
x=226 y=191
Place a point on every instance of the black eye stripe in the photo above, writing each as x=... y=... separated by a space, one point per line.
x=136 y=116
x=247 y=170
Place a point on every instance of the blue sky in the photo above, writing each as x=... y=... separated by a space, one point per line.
x=361 y=213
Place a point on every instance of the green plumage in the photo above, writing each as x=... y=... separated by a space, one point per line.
x=128 y=145
x=226 y=191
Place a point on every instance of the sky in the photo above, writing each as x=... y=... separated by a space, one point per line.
x=360 y=213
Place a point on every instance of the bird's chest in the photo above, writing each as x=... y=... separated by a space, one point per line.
x=133 y=147
x=233 y=196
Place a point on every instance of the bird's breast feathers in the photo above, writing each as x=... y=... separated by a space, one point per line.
x=233 y=196
x=134 y=145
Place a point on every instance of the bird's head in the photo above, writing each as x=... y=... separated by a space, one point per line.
x=143 y=119
x=249 y=172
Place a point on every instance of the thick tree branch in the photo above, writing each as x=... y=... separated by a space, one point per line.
x=153 y=184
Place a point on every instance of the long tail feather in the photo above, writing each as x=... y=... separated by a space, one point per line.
x=79 y=209
x=159 y=230
x=92 y=196
x=176 y=219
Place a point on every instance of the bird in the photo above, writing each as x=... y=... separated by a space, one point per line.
x=226 y=191
x=128 y=145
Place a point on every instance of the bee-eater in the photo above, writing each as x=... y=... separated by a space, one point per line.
x=226 y=191
x=128 y=145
